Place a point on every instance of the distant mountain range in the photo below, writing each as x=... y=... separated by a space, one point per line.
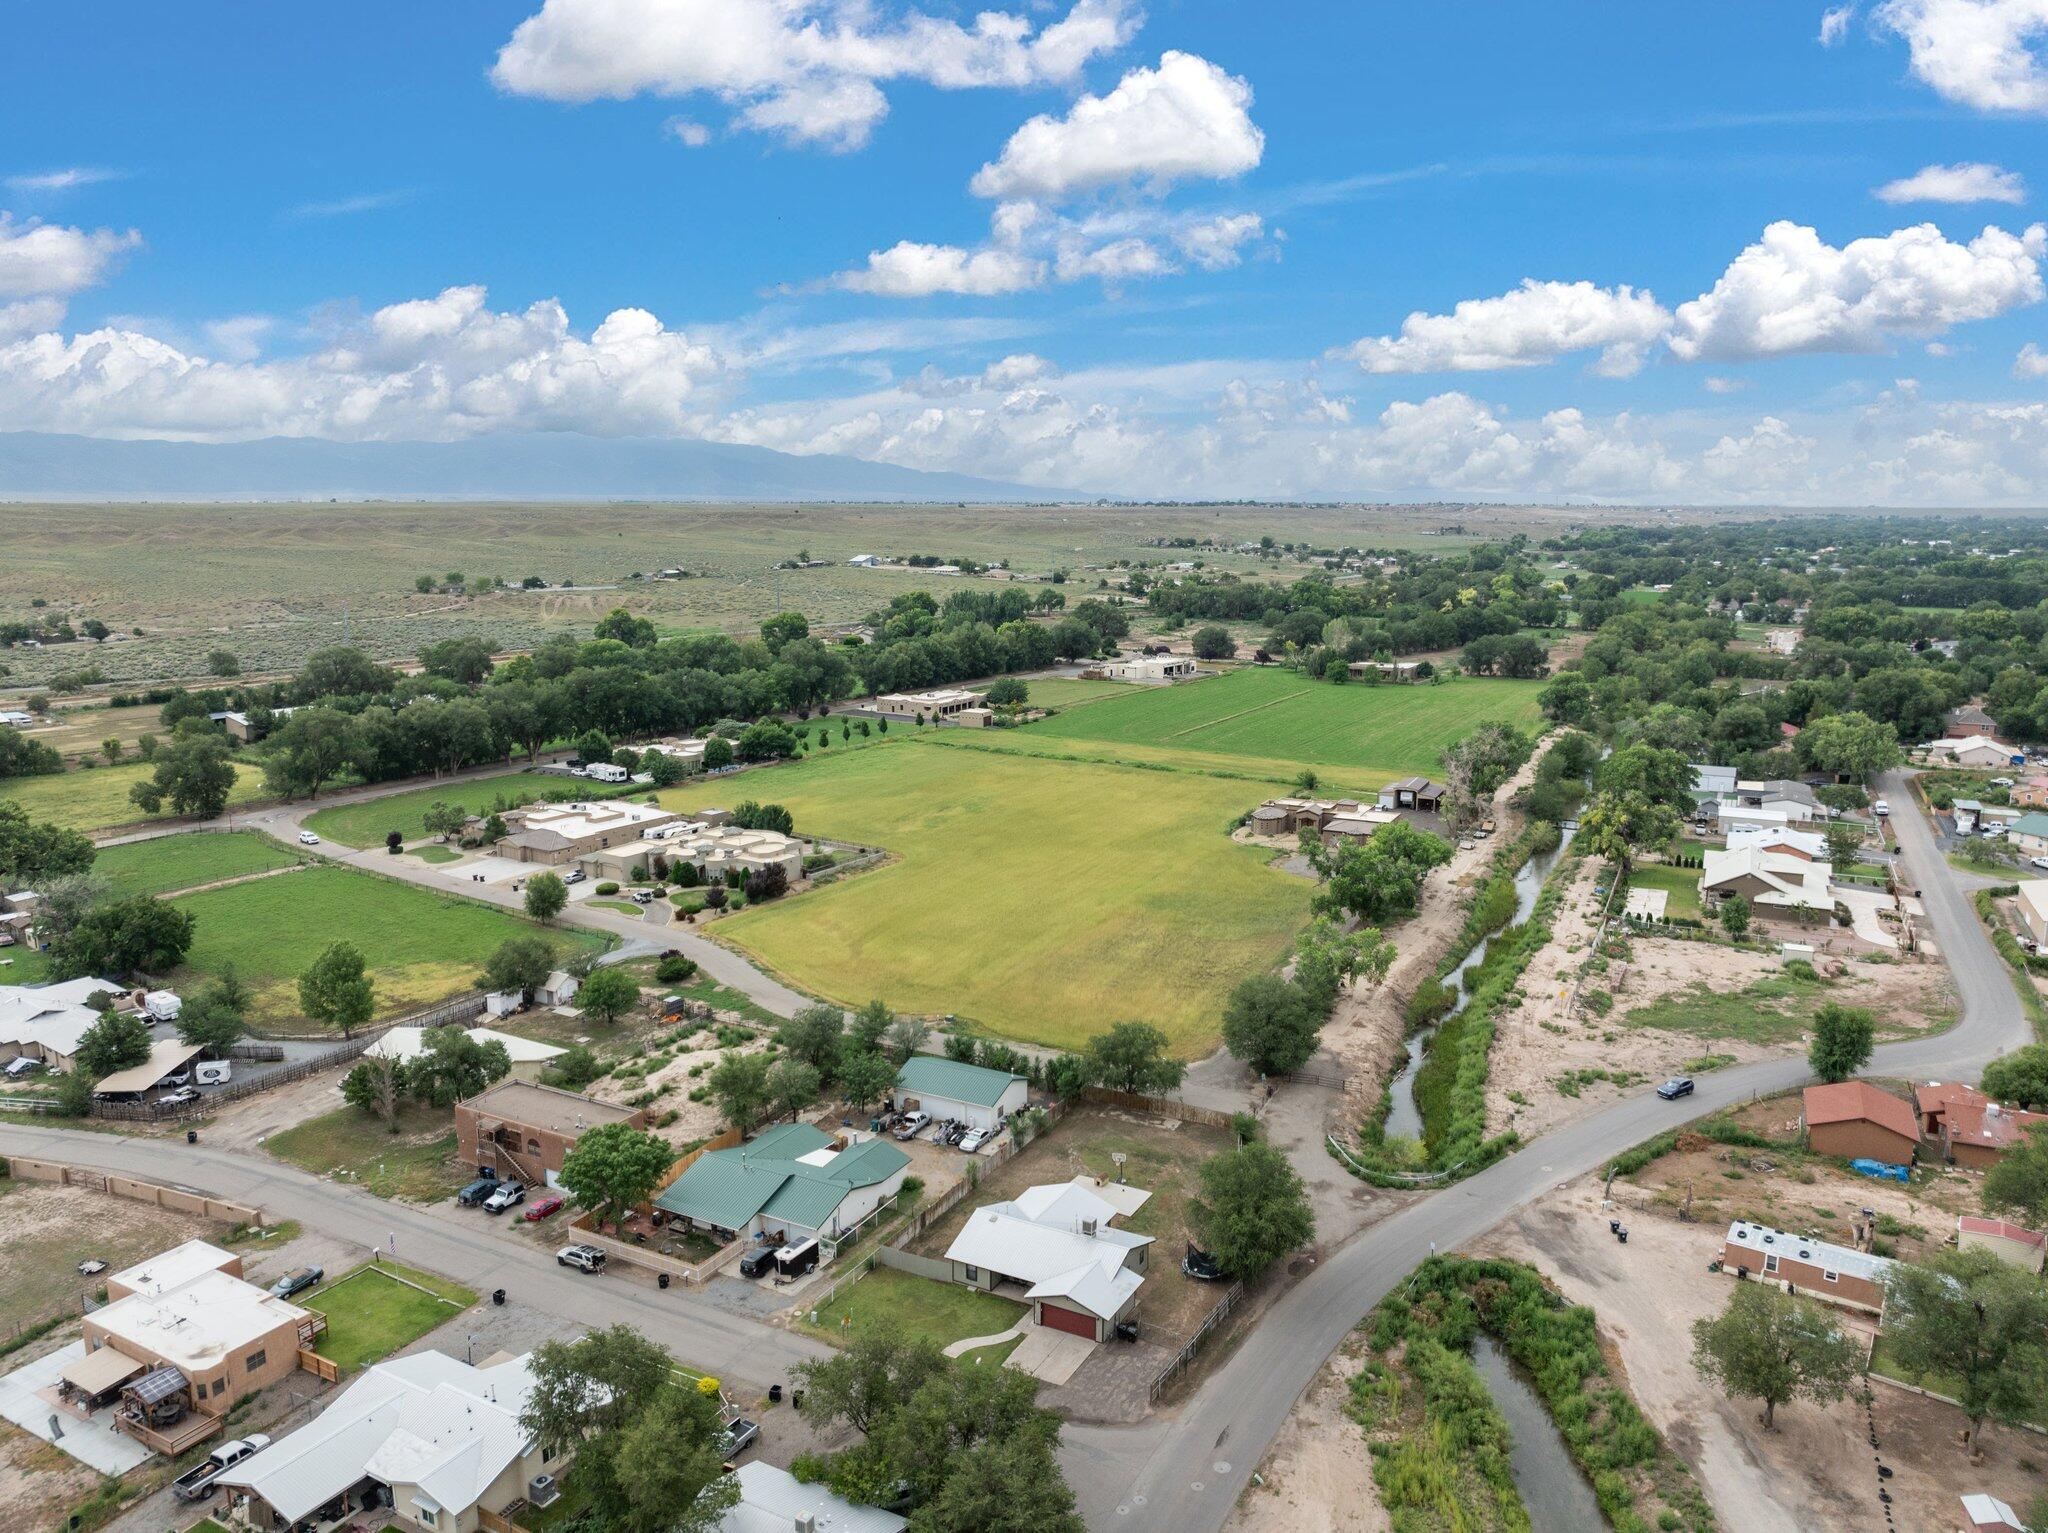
x=541 y=466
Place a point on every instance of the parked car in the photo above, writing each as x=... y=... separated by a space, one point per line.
x=22 y=1065
x=177 y=1078
x=2001 y=782
x=1881 y=809
x=758 y=1261
x=307 y=838
x=2037 y=862
x=1678 y=1086
x=179 y=1097
x=504 y=1197
x=740 y=1434
x=975 y=1139
x=196 y=1483
x=1201 y=1266
x=574 y=876
x=477 y=1191
x=584 y=1258
x=911 y=1123
x=540 y=1208
x=643 y=896
x=296 y=1281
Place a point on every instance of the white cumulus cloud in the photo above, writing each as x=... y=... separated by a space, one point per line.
x=1538 y=322
x=1792 y=292
x=50 y=260
x=1185 y=119
x=2032 y=362
x=809 y=71
x=1969 y=181
x=908 y=269
x=1834 y=24
x=1981 y=53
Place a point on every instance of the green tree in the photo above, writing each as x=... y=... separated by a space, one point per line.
x=958 y=1412
x=2017 y=1183
x=1618 y=825
x=376 y=1084
x=764 y=741
x=792 y=1086
x=1271 y=1025
x=222 y=662
x=518 y=964
x=32 y=854
x=1845 y=842
x=205 y=1023
x=193 y=776
x=444 y=820
x=1652 y=773
x=1841 y=1043
x=1377 y=881
x=22 y=757
x=717 y=753
x=782 y=628
x=814 y=1036
x=1012 y=1485
x=1253 y=1209
x=118 y=1041
x=906 y=1036
x=452 y=1066
x=738 y=1083
x=1132 y=1057
x=138 y=934
x=1213 y=642
x=1007 y=692
x=669 y=1466
x=312 y=747
x=663 y=770
x=1771 y=1346
x=870 y=1025
x=613 y=1167
x=607 y=995
x=336 y=990
x=1734 y=914
x=2019 y=1079
x=864 y=1076
x=865 y=1382
x=74 y=1093
x=1978 y=1323
x=1851 y=745
x=624 y=628
x=1325 y=956
x=546 y=894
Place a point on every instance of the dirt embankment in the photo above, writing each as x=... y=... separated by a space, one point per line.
x=1318 y=1473
x=1365 y=1032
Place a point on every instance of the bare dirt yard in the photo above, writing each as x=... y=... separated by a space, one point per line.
x=1815 y=1469
x=1318 y=1473
x=47 y=1230
x=1673 y=1006
x=39 y=1483
x=671 y=1067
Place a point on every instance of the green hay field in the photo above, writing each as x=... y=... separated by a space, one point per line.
x=96 y=799
x=1275 y=720
x=171 y=863
x=1044 y=900
x=422 y=947
x=367 y=824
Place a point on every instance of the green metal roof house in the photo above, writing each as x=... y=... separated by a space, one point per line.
x=791 y=1179
x=945 y=1088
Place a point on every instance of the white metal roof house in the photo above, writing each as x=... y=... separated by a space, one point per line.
x=946 y=1088
x=1057 y=1242
x=775 y=1501
x=428 y=1441
x=1771 y=879
x=46 y=1022
x=1971 y=751
x=529 y=1056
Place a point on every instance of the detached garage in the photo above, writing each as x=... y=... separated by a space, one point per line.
x=945 y=1088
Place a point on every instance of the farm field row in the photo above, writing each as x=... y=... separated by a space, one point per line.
x=1281 y=717
x=98 y=798
x=422 y=947
x=171 y=863
x=1042 y=899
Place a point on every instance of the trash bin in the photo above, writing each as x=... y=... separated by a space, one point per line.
x=661 y=1279
x=191 y=1136
x=497 y=1296
x=774 y=1394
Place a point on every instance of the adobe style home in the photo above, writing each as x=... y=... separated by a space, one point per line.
x=1839 y=1274
x=1855 y=1120
x=521 y=1130
x=1973 y=1131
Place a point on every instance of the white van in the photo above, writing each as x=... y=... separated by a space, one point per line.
x=1881 y=809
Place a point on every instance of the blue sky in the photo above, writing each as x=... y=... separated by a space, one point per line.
x=1167 y=249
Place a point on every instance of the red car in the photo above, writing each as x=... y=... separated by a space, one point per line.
x=540 y=1208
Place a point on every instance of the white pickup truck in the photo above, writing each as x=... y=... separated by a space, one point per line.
x=196 y=1483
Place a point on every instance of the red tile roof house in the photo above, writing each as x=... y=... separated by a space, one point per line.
x=1855 y=1120
x=2012 y=1244
x=1972 y=1130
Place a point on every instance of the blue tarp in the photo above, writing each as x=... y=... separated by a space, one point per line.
x=1882 y=1168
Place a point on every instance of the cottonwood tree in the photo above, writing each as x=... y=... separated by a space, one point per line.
x=520 y=965
x=336 y=990
x=614 y=1166
x=1772 y=1346
x=1842 y=1039
x=546 y=894
x=2017 y=1184
x=453 y=1065
x=1325 y=956
x=863 y=1077
x=738 y=1083
x=669 y=1466
x=376 y=1085
x=863 y=1383
x=311 y=748
x=1132 y=1057
x=118 y=1041
x=1969 y=1317
x=792 y=1086
x=814 y=1035
x=193 y=776
x=1379 y=880
x=32 y=854
x=870 y=1025
x=2018 y=1079
x=1271 y=1025
x=1849 y=744
x=907 y=1036
x=1253 y=1209
x=607 y=995
x=137 y=934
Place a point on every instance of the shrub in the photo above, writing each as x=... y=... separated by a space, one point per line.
x=675 y=969
x=607 y=887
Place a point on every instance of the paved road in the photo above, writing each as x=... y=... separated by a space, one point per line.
x=462 y=1244
x=1185 y=1474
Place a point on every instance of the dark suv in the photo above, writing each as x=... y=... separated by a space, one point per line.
x=1678 y=1086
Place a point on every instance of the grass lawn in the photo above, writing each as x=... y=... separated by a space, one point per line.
x=1040 y=899
x=371 y=1313
x=368 y=823
x=184 y=862
x=1882 y=1361
x=618 y=907
x=19 y=966
x=993 y=1357
x=1775 y=1009
x=922 y=1309
x=98 y=798
x=422 y=947
x=436 y=853
x=1070 y=691
x=1277 y=720
x=417 y=1163
x=1681 y=887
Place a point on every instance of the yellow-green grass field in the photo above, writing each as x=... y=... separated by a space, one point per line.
x=422 y=947
x=373 y=1311
x=96 y=799
x=1071 y=691
x=1042 y=900
x=1681 y=887
x=171 y=863
x=368 y=823
x=79 y=731
x=1277 y=720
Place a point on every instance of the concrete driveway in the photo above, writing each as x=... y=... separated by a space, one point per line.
x=1863 y=906
x=28 y=1396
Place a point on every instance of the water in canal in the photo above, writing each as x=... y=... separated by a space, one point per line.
x=1552 y=1488
x=1403 y=1120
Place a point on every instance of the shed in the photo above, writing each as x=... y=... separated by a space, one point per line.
x=946 y=1088
x=560 y=988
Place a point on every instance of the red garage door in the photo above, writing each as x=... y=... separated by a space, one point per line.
x=1067 y=1320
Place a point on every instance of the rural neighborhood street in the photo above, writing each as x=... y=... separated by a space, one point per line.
x=1183 y=1475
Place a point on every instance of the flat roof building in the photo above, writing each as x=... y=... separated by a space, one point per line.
x=518 y=1129
x=939 y=704
x=559 y=833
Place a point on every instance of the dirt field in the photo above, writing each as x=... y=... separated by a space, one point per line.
x=1317 y=1473
x=1815 y=1470
x=1161 y=1160
x=46 y=1231
x=39 y=1483
x=1539 y=1044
